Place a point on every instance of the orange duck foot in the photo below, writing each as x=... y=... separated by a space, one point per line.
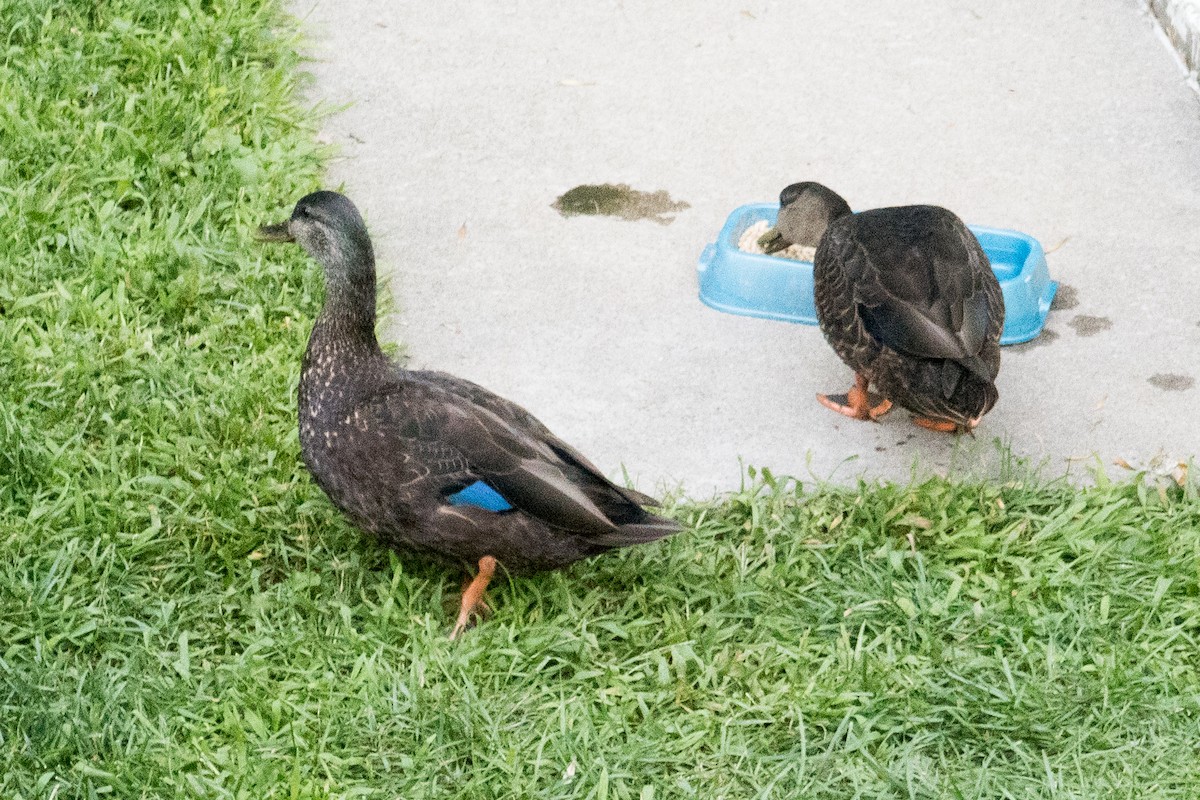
x=945 y=425
x=472 y=596
x=858 y=403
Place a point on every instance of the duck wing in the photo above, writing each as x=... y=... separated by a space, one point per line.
x=518 y=417
x=461 y=441
x=920 y=281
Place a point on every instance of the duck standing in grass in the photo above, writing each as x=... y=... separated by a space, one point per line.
x=908 y=300
x=430 y=462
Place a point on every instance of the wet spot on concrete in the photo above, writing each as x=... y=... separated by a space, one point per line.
x=1086 y=325
x=1170 y=382
x=1066 y=297
x=1047 y=336
x=618 y=200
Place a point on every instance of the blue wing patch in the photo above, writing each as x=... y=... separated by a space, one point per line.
x=481 y=495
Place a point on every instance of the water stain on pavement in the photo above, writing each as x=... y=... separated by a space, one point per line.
x=1046 y=337
x=1086 y=325
x=1066 y=297
x=618 y=200
x=1170 y=382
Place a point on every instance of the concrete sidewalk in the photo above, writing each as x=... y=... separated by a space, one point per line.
x=1069 y=121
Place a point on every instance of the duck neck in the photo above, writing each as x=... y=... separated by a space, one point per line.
x=347 y=320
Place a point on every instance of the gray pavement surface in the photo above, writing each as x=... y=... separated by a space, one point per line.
x=463 y=122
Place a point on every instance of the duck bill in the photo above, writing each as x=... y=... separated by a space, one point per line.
x=772 y=241
x=279 y=232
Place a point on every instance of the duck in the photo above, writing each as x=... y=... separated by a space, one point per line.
x=429 y=463
x=907 y=299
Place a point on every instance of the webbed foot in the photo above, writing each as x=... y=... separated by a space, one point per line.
x=858 y=403
x=945 y=425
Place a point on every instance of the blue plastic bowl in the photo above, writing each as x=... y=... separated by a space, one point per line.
x=769 y=287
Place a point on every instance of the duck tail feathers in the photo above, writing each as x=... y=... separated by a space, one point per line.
x=649 y=530
x=972 y=364
x=634 y=496
x=981 y=368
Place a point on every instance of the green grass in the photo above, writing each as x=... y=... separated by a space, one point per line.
x=182 y=614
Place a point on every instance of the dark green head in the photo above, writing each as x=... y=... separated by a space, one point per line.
x=805 y=211
x=329 y=227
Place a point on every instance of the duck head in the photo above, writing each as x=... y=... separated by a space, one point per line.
x=805 y=211
x=329 y=227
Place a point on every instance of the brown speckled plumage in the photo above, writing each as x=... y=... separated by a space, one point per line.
x=389 y=445
x=906 y=297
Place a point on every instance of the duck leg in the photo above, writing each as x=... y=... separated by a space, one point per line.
x=483 y=609
x=858 y=403
x=473 y=595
